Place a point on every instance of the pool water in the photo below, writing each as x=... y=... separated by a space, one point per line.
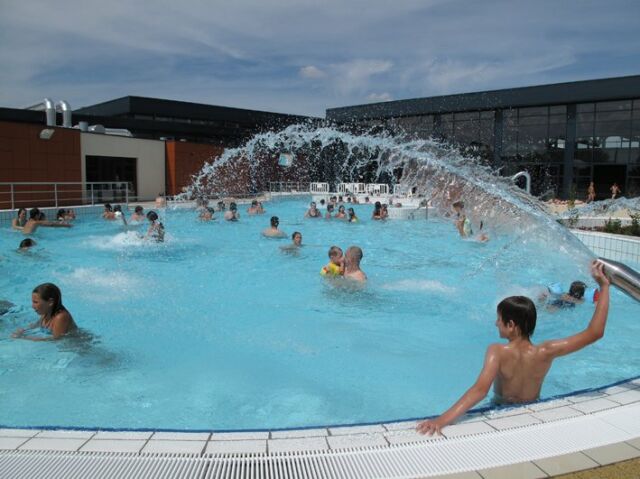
x=218 y=328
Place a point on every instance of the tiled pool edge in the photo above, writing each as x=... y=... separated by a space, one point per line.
x=481 y=427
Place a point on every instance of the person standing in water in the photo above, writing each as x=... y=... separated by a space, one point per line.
x=352 y=259
x=55 y=320
x=517 y=369
x=156 y=228
x=273 y=231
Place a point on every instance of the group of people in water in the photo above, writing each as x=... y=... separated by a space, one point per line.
x=516 y=369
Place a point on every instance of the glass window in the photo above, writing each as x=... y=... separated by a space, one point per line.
x=586 y=116
x=613 y=128
x=533 y=120
x=558 y=110
x=534 y=111
x=532 y=138
x=613 y=115
x=510 y=114
x=490 y=114
x=636 y=104
x=466 y=132
x=584 y=129
x=613 y=105
x=446 y=117
x=558 y=119
x=585 y=107
x=467 y=116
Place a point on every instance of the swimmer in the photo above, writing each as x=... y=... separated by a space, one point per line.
x=255 y=208
x=352 y=216
x=352 y=260
x=335 y=266
x=138 y=214
x=329 y=213
x=377 y=211
x=108 y=213
x=35 y=220
x=117 y=213
x=384 y=212
x=232 y=214
x=296 y=244
x=463 y=224
x=261 y=209
x=206 y=214
x=517 y=369
x=156 y=228
x=55 y=320
x=221 y=206
x=25 y=244
x=273 y=231
x=161 y=201
x=19 y=221
x=570 y=299
x=313 y=211
x=341 y=214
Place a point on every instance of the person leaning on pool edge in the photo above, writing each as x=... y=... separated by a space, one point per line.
x=517 y=369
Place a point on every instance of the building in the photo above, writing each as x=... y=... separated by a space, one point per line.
x=565 y=135
x=152 y=145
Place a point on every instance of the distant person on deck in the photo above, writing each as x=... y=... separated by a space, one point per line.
x=517 y=369
x=591 y=193
x=615 y=191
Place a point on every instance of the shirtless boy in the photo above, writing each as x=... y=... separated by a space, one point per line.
x=518 y=368
x=34 y=221
x=273 y=231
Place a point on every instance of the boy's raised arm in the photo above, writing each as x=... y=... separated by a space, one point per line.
x=470 y=398
x=595 y=329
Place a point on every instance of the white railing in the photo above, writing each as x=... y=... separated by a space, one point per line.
x=377 y=189
x=26 y=194
x=319 y=187
x=353 y=188
x=402 y=190
x=288 y=187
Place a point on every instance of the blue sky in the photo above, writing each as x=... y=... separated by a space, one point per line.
x=297 y=56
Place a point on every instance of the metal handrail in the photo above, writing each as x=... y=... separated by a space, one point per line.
x=58 y=192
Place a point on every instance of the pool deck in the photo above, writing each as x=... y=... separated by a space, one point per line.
x=543 y=439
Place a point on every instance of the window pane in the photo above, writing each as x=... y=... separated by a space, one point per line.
x=467 y=116
x=534 y=111
x=613 y=105
x=585 y=107
x=532 y=138
x=533 y=120
x=487 y=114
x=584 y=129
x=613 y=128
x=582 y=117
x=558 y=110
x=613 y=115
x=559 y=119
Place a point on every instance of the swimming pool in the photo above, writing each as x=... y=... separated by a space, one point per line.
x=218 y=329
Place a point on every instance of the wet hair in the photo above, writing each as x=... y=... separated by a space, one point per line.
x=351 y=211
x=521 y=311
x=41 y=216
x=107 y=206
x=254 y=203
x=355 y=252
x=275 y=221
x=210 y=210
x=49 y=291
x=34 y=213
x=377 y=205
x=329 y=207
x=152 y=216
x=322 y=202
x=577 y=289
x=20 y=210
x=293 y=236
x=335 y=251
x=117 y=208
x=341 y=208
x=60 y=214
x=27 y=243
x=139 y=209
x=233 y=206
x=458 y=204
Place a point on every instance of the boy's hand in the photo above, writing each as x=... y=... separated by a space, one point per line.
x=430 y=426
x=597 y=271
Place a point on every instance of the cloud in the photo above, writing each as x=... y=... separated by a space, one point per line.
x=312 y=72
x=262 y=55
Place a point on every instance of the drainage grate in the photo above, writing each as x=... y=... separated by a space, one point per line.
x=418 y=459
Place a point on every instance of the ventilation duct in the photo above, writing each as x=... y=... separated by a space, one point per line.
x=64 y=107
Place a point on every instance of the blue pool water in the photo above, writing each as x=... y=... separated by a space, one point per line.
x=219 y=329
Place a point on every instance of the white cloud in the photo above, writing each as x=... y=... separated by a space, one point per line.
x=355 y=75
x=311 y=71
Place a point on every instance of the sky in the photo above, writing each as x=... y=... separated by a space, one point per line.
x=302 y=57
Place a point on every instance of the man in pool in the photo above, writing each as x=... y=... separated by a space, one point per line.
x=273 y=231
x=34 y=221
x=352 y=270
x=517 y=369
x=232 y=214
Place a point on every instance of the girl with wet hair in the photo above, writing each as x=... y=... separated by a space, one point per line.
x=19 y=221
x=156 y=228
x=55 y=321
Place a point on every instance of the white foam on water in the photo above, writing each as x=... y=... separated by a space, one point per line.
x=419 y=285
x=95 y=278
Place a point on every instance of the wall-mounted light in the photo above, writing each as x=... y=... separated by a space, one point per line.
x=47 y=133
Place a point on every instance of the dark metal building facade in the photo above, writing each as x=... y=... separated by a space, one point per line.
x=566 y=135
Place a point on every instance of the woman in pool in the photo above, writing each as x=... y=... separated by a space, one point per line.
x=341 y=214
x=377 y=211
x=156 y=228
x=55 y=320
x=352 y=216
x=19 y=221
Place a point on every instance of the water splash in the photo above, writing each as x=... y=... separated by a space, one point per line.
x=436 y=171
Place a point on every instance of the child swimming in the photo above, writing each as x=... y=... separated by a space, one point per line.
x=55 y=320
x=335 y=266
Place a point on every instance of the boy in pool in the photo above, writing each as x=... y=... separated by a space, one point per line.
x=574 y=296
x=335 y=266
x=517 y=369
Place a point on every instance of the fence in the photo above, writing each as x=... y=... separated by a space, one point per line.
x=28 y=194
x=289 y=187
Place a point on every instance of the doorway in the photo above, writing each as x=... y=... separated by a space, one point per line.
x=110 y=169
x=606 y=175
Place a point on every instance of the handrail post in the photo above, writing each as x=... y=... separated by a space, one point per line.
x=92 y=194
x=55 y=193
x=13 y=202
x=126 y=194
